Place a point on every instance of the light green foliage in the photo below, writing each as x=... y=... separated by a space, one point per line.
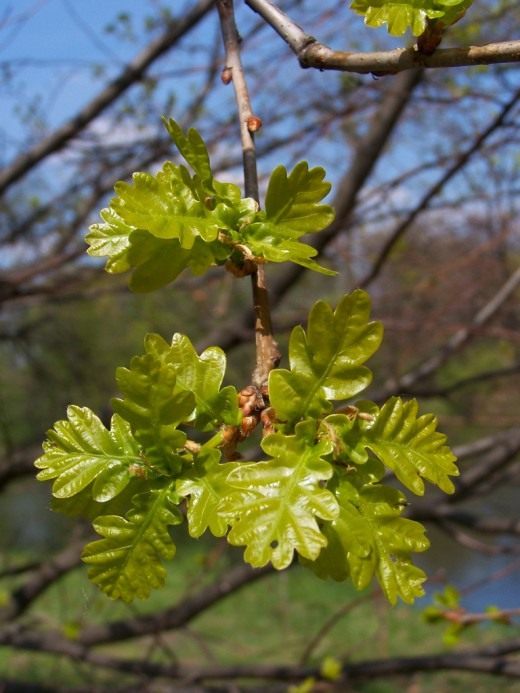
x=321 y=492
x=274 y=505
x=152 y=407
x=159 y=225
x=292 y=209
x=205 y=483
x=447 y=602
x=127 y=562
x=326 y=362
x=203 y=377
x=81 y=450
x=171 y=384
x=331 y=668
x=401 y=15
x=369 y=537
x=411 y=447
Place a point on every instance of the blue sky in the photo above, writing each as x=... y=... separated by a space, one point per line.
x=54 y=46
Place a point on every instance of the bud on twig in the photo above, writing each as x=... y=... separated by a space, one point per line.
x=226 y=75
x=254 y=123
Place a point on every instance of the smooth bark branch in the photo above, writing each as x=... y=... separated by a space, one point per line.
x=312 y=53
x=267 y=354
x=40 y=579
x=367 y=152
x=177 y=616
x=452 y=171
x=456 y=341
x=132 y=73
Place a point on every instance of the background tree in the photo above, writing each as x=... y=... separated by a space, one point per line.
x=430 y=230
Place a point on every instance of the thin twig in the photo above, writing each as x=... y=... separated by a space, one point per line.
x=40 y=579
x=454 y=343
x=267 y=354
x=131 y=74
x=329 y=624
x=423 y=204
x=177 y=616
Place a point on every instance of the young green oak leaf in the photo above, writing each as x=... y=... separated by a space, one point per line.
x=193 y=149
x=205 y=484
x=401 y=15
x=161 y=224
x=181 y=372
x=127 y=562
x=326 y=361
x=202 y=375
x=370 y=538
x=292 y=209
x=411 y=446
x=80 y=451
x=274 y=505
x=346 y=433
x=152 y=408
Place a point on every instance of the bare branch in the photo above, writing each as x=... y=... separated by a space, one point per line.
x=132 y=73
x=466 y=382
x=267 y=354
x=40 y=579
x=312 y=53
x=458 y=165
x=454 y=344
x=480 y=523
x=179 y=615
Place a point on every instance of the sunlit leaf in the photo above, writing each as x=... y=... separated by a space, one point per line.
x=411 y=446
x=127 y=562
x=80 y=450
x=205 y=485
x=192 y=148
x=292 y=209
x=274 y=506
x=370 y=538
x=152 y=407
x=401 y=15
x=326 y=361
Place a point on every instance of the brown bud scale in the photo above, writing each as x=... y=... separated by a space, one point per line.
x=226 y=75
x=254 y=123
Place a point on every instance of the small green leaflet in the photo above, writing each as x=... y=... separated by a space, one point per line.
x=401 y=15
x=292 y=210
x=159 y=225
x=127 y=562
x=326 y=362
x=152 y=408
x=406 y=443
x=80 y=450
x=274 y=505
x=411 y=447
x=369 y=537
x=193 y=149
x=205 y=484
x=187 y=386
x=202 y=375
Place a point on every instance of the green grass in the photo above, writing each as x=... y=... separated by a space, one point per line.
x=271 y=621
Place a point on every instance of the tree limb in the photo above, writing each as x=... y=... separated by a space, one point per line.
x=131 y=74
x=458 y=165
x=177 y=616
x=267 y=354
x=312 y=53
